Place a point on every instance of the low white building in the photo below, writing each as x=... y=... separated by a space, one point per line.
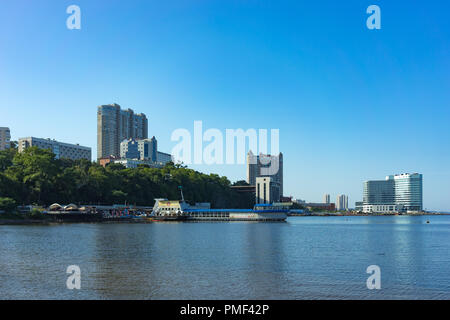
x=134 y=163
x=60 y=149
x=267 y=190
x=382 y=208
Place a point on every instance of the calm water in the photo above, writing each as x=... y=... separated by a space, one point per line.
x=304 y=258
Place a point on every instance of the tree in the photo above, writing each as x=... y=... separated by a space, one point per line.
x=241 y=183
x=295 y=205
x=35 y=169
x=7 y=204
x=115 y=166
x=6 y=158
x=118 y=196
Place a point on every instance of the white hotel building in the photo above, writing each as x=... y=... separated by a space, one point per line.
x=397 y=193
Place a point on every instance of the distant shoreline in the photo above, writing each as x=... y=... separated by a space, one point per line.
x=368 y=215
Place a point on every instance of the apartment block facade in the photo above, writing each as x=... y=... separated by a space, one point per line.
x=144 y=149
x=5 y=138
x=342 y=202
x=60 y=149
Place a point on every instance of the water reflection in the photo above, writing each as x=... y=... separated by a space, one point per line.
x=306 y=257
x=264 y=259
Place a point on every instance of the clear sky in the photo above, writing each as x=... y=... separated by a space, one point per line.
x=351 y=104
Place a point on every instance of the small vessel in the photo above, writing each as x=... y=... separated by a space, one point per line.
x=165 y=210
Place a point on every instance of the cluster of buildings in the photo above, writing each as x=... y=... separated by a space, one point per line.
x=397 y=193
x=340 y=205
x=122 y=137
x=60 y=149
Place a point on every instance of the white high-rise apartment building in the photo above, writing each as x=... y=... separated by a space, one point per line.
x=342 y=202
x=326 y=198
x=5 y=138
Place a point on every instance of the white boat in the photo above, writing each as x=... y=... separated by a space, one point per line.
x=178 y=210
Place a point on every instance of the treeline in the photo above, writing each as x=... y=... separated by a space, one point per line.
x=36 y=177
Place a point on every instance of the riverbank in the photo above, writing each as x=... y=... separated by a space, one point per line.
x=22 y=222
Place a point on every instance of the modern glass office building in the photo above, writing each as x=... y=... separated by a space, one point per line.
x=408 y=191
x=379 y=192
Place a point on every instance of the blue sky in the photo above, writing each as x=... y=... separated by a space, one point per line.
x=351 y=104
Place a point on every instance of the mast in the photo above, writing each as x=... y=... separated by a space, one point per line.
x=181 y=190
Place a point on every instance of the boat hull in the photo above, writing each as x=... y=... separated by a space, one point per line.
x=233 y=216
x=169 y=218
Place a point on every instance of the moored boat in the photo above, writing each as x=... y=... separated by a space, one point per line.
x=176 y=210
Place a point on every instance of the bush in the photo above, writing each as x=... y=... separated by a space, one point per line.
x=36 y=214
x=7 y=204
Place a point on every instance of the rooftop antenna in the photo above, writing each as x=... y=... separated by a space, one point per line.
x=181 y=190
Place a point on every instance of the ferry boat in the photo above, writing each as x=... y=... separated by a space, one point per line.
x=180 y=210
